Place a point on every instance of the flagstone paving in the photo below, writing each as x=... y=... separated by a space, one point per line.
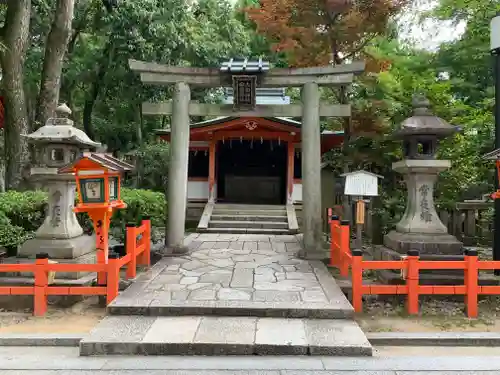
x=231 y=295
x=238 y=273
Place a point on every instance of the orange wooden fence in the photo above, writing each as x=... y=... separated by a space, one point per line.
x=343 y=258
x=340 y=254
x=137 y=252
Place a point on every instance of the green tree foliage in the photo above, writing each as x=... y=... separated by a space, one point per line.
x=458 y=80
x=106 y=96
x=97 y=84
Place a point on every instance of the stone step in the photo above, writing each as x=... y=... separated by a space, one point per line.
x=248 y=231
x=248 y=212
x=247 y=224
x=235 y=206
x=206 y=335
x=339 y=309
x=224 y=217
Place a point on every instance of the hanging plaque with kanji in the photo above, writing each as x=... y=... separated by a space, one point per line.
x=244 y=88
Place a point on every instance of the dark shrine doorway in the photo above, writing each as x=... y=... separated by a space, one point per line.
x=252 y=172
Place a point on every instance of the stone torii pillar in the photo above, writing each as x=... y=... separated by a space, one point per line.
x=178 y=169
x=311 y=173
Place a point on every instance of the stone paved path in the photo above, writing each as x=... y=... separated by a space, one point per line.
x=226 y=270
x=263 y=270
x=231 y=295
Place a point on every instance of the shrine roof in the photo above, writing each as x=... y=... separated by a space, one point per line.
x=223 y=119
x=243 y=65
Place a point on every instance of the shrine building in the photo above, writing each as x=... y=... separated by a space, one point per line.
x=254 y=161
x=251 y=166
x=248 y=160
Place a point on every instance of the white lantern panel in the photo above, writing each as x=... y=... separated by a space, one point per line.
x=92 y=190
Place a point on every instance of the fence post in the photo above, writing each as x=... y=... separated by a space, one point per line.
x=334 y=240
x=41 y=282
x=412 y=281
x=471 y=282
x=131 y=246
x=145 y=259
x=113 y=271
x=357 y=280
x=345 y=245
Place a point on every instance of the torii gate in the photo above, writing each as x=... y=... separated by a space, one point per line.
x=247 y=75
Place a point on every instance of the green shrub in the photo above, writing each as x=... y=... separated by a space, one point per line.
x=140 y=203
x=24 y=209
x=22 y=213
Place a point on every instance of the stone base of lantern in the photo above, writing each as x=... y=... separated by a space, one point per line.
x=64 y=248
x=435 y=244
x=78 y=250
x=89 y=258
x=431 y=246
x=426 y=277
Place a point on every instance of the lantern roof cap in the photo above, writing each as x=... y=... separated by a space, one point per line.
x=493 y=155
x=97 y=160
x=424 y=122
x=60 y=129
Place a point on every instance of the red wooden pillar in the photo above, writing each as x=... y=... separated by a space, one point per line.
x=290 y=172
x=211 y=170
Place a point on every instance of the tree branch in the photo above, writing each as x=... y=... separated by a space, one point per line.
x=360 y=47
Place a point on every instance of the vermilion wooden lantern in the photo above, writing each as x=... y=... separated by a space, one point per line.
x=98 y=179
x=495 y=155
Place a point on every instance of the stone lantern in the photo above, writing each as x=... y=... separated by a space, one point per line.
x=420 y=228
x=57 y=144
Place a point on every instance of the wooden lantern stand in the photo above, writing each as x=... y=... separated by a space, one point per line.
x=360 y=184
x=98 y=179
x=496 y=194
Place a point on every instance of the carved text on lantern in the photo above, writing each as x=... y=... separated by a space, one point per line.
x=55 y=217
x=425 y=213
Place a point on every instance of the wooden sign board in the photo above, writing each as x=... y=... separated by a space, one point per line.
x=361 y=184
x=244 y=88
x=360 y=212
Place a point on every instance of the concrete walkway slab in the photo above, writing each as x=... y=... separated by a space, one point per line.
x=456 y=339
x=65 y=361
x=236 y=275
x=196 y=335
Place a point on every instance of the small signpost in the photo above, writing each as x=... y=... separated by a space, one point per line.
x=360 y=184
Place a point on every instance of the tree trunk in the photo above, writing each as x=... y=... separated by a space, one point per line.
x=15 y=37
x=88 y=107
x=56 y=46
x=66 y=90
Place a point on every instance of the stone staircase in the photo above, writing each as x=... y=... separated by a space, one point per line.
x=253 y=219
x=231 y=296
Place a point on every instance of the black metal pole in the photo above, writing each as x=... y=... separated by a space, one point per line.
x=496 y=234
